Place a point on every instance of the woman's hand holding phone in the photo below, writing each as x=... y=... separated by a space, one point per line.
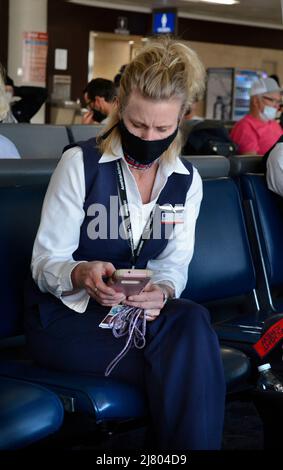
x=130 y=281
x=89 y=276
x=151 y=299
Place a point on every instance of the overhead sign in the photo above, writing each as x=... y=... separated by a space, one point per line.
x=122 y=25
x=164 y=21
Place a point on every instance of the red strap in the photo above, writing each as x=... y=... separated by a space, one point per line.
x=270 y=338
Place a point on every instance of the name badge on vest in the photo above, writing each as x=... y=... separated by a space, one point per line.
x=172 y=215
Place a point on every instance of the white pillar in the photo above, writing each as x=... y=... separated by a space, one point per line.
x=24 y=16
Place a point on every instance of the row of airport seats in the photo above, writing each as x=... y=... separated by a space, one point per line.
x=46 y=140
x=37 y=171
x=226 y=274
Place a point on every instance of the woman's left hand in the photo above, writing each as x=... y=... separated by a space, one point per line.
x=151 y=299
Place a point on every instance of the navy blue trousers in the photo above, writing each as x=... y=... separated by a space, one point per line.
x=180 y=368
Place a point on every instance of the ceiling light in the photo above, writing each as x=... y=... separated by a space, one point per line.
x=221 y=2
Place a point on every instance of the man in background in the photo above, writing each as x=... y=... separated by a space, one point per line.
x=258 y=131
x=100 y=99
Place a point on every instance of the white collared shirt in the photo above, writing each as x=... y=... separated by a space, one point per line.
x=274 y=169
x=62 y=215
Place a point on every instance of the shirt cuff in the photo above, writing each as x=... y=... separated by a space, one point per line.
x=76 y=299
x=66 y=279
x=77 y=302
x=166 y=282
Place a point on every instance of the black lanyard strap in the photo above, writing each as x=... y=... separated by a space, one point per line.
x=135 y=252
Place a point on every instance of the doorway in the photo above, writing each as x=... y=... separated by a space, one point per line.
x=109 y=51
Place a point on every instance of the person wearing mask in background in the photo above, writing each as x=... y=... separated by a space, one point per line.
x=256 y=132
x=31 y=98
x=7 y=148
x=100 y=98
x=179 y=367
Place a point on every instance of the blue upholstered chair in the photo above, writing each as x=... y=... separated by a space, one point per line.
x=104 y=399
x=28 y=413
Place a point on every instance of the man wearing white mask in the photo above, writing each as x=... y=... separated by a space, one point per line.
x=258 y=131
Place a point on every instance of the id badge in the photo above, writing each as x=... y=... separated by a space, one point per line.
x=107 y=321
x=172 y=215
x=179 y=217
x=167 y=218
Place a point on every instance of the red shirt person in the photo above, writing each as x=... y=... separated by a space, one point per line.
x=258 y=131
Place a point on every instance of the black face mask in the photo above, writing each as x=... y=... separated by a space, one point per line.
x=143 y=151
x=98 y=116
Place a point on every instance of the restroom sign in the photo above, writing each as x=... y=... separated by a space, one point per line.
x=164 y=22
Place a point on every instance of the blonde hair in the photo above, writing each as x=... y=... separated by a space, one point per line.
x=4 y=105
x=163 y=69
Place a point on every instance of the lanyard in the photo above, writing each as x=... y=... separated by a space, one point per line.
x=135 y=252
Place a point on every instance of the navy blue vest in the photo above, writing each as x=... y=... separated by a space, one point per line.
x=101 y=184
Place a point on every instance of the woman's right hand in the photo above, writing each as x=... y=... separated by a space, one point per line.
x=88 y=276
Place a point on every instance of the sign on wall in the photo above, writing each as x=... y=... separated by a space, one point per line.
x=35 y=46
x=61 y=59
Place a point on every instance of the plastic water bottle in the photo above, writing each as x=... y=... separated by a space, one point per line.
x=218 y=108
x=267 y=381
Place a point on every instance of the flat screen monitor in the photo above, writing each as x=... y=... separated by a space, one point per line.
x=164 y=21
